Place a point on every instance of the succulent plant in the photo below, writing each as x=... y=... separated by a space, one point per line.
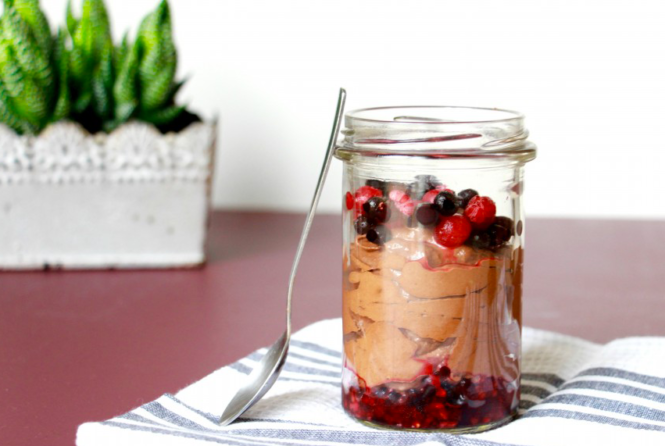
x=80 y=75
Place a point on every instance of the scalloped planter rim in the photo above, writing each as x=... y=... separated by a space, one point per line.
x=134 y=198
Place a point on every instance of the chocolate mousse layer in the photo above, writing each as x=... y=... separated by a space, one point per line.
x=410 y=302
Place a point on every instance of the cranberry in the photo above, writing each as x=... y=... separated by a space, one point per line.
x=349 y=201
x=452 y=231
x=481 y=211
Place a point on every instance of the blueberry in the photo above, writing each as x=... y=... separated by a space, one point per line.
x=465 y=196
x=426 y=214
x=445 y=203
x=381 y=391
x=498 y=235
x=362 y=225
x=507 y=223
x=376 y=209
x=394 y=396
x=378 y=235
x=456 y=396
x=481 y=240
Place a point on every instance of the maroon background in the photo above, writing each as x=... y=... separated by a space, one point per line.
x=81 y=346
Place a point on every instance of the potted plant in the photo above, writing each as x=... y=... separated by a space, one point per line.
x=99 y=164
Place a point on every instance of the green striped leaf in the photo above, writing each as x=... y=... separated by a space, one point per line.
x=125 y=91
x=102 y=85
x=158 y=63
x=35 y=18
x=28 y=54
x=72 y=22
x=9 y=117
x=61 y=57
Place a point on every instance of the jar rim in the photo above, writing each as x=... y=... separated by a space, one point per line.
x=514 y=115
x=437 y=131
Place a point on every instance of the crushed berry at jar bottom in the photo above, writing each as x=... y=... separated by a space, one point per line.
x=434 y=402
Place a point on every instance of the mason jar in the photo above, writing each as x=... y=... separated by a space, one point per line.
x=433 y=229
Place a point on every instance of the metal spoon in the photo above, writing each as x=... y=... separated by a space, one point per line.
x=266 y=372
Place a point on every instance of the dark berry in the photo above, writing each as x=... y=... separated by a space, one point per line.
x=378 y=235
x=362 y=225
x=507 y=223
x=377 y=184
x=349 y=200
x=442 y=372
x=394 y=396
x=465 y=383
x=363 y=194
x=426 y=215
x=481 y=240
x=465 y=196
x=452 y=231
x=498 y=234
x=381 y=391
x=481 y=211
x=376 y=209
x=445 y=203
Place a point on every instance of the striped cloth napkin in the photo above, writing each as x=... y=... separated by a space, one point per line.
x=574 y=392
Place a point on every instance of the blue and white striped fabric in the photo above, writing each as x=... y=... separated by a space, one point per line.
x=574 y=393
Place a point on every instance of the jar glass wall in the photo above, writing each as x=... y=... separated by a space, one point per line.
x=432 y=266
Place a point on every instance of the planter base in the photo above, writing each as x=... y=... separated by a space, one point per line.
x=131 y=209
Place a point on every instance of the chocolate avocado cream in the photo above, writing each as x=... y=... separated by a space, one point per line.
x=401 y=312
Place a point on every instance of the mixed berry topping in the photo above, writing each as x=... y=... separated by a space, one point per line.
x=426 y=214
x=376 y=209
x=465 y=196
x=481 y=211
x=456 y=218
x=378 y=235
x=362 y=225
x=452 y=231
x=434 y=401
x=445 y=203
x=363 y=194
x=349 y=201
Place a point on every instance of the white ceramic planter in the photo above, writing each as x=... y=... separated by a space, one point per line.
x=131 y=199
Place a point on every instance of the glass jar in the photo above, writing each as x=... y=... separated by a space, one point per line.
x=432 y=266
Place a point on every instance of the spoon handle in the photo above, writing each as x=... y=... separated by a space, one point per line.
x=315 y=202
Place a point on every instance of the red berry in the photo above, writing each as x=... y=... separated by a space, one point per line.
x=431 y=194
x=402 y=201
x=363 y=194
x=481 y=212
x=349 y=201
x=452 y=231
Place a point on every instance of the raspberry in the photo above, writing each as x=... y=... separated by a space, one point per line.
x=349 y=201
x=481 y=212
x=402 y=201
x=363 y=194
x=452 y=231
